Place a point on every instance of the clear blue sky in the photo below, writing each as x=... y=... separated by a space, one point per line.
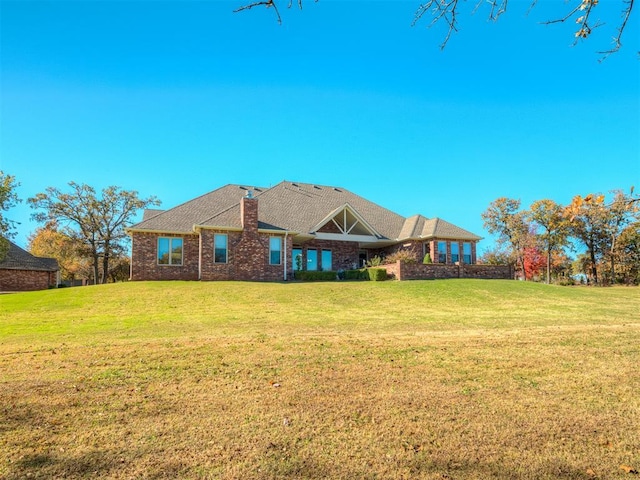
x=177 y=98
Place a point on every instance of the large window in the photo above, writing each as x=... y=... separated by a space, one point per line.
x=220 y=248
x=442 y=252
x=325 y=260
x=169 y=251
x=296 y=256
x=455 y=252
x=275 y=250
x=466 y=252
x=312 y=260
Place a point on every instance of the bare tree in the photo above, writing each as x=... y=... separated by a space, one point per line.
x=97 y=221
x=448 y=11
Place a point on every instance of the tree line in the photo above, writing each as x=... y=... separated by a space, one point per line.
x=82 y=228
x=536 y=241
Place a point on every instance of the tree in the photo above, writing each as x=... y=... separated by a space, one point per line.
x=98 y=222
x=622 y=210
x=587 y=218
x=581 y=12
x=8 y=199
x=598 y=225
x=628 y=251
x=534 y=261
x=503 y=219
x=67 y=250
x=550 y=216
x=496 y=256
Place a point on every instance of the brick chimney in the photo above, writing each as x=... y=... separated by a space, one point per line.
x=249 y=212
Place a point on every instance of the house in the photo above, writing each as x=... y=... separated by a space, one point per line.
x=21 y=271
x=239 y=232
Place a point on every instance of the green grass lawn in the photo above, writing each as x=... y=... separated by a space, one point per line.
x=427 y=379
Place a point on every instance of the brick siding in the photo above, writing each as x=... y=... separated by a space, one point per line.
x=418 y=271
x=26 y=280
x=248 y=254
x=417 y=249
x=144 y=258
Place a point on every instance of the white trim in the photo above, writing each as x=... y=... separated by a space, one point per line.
x=346 y=207
x=346 y=237
x=217 y=227
x=159 y=232
x=199 y=257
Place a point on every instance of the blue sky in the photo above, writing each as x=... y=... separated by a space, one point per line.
x=177 y=98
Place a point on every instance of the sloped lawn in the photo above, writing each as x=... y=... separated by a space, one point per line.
x=456 y=379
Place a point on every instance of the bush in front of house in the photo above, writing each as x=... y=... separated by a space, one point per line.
x=377 y=274
x=359 y=274
x=315 y=276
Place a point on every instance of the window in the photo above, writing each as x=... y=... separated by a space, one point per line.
x=466 y=252
x=455 y=252
x=325 y=260
x=296 y=255
x=169 y=251
x=220 y=248
x=275 y=250
x=442 y=252
x=312 y=260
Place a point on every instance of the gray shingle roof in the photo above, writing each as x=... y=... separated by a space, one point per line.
x=19 y=259
x=299 y=207
x=182 y=218
x=295 y=207
x=438 y=228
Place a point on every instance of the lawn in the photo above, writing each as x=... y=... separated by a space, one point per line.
x=453 y=379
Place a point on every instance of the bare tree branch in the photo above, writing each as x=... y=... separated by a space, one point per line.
x=264 y=3
x=269 y=4
x=441 y=10
x=617 y=43
x=446 y=11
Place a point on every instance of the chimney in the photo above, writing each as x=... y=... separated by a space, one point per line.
x=249 y=212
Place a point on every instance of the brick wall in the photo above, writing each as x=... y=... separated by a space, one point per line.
x=416 y=247
x=418 y=271
x=343 y=254
x=144 y=258
x=25 y=280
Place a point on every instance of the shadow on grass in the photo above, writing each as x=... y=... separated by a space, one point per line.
x=92 y=464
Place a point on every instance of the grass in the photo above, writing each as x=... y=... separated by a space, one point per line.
x=456 y=379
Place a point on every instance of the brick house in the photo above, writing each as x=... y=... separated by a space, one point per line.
x=21 y=271
x=249 y=233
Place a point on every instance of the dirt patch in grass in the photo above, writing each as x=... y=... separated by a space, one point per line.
x=534 y=403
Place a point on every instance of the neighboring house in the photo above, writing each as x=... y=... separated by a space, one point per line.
x=248 y=233
x=21 y=271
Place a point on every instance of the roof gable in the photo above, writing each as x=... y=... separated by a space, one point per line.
x=438 y=228
x=303 y=208
x=182 y=218
x=348 y=221
x=300 y=208
x=19 y=259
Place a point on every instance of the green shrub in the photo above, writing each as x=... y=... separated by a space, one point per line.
x=377 y=274
x=360 y=274
x=427 y=259
x=315 y=276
